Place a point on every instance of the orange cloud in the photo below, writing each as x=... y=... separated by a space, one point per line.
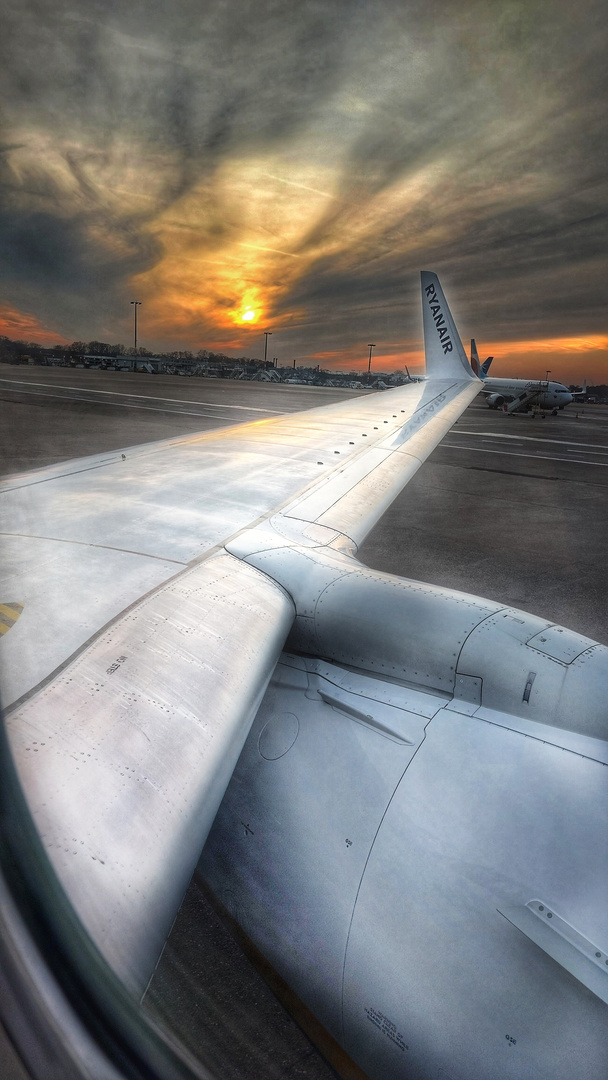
x=569 y=359
x=230 y=254
x=243 y=238
x=21 y=326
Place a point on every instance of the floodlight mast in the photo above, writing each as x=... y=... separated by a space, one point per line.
x=267 y=334
x=136 y=304
x=369 y=365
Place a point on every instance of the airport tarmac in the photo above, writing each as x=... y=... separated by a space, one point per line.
x=68 y=412
x=512 y=508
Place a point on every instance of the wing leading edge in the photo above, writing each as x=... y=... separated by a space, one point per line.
x=141 y=722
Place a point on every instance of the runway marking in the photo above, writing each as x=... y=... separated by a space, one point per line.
x=526 y=438
x=143 y=408
x=142 y=397
x=603 y=453
x=535 y=457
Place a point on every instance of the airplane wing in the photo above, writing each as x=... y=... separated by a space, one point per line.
x=142 y=643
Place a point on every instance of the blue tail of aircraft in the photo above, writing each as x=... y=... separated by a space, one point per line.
x=481 y=370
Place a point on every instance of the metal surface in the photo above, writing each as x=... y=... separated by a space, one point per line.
x=353 y=501
x=291 y=877
x=483 y=818
x=126 y=754
x=506 y=659
x=564 y=692
x=574 y=952
x=373 y=870
x=83 y=540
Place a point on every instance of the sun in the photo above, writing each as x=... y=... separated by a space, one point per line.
x=248 y=316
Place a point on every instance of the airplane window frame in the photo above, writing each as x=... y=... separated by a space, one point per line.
x=133 y=1046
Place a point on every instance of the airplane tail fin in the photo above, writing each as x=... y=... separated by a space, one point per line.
x=481 y=370
x=475 y=359
x=445 y=356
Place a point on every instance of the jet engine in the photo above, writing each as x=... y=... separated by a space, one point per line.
x=495 y=401
x=414 y=836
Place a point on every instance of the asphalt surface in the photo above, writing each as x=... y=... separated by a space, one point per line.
x=55 y=414
x=512 y=508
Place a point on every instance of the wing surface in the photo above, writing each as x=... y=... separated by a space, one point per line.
x=143 y=647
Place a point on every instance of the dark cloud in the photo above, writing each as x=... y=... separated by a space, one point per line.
x=464 y=136
x=181 y=87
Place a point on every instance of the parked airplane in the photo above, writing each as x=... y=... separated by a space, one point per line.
x=398 y=791
x=481 y=370
x=519 y=395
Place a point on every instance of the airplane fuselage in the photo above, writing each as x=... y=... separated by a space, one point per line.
x=545 y=395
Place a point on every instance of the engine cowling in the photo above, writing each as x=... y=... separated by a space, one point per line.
x=423 y=787
x=495 y=401
x=441 y=640
x=390 y=854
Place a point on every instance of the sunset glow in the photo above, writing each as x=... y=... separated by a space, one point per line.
x=20 y=326
x=571 y=359
x=308 y=202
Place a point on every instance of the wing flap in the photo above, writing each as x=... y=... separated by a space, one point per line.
x=126 y=754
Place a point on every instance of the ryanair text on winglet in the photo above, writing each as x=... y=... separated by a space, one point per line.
x=442 y=329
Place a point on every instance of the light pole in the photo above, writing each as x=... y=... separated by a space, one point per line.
x=267 y=334
x=136 y=304
x=369 y=365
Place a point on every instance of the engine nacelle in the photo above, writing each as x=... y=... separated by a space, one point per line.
x=492 y=656
x=409 y=838
x=495 y=401
x=440 y=640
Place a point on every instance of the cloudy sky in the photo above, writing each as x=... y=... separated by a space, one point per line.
x=291 y=165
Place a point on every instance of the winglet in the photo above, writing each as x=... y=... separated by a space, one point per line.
x=445 y=356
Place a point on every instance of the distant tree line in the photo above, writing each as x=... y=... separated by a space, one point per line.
x=14 y=352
